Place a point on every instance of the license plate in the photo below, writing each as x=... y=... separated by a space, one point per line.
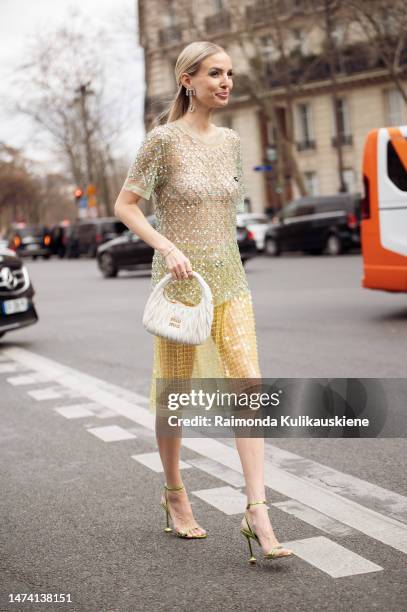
x=16 y=305
x=31 y=247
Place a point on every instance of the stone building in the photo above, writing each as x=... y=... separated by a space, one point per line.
x=367 y=96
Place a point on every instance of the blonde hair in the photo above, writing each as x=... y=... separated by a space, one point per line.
x=189 y=61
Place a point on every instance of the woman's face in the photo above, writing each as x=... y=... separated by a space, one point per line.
x=214 y=77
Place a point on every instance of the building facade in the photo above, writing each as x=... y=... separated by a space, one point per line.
x=366 y=95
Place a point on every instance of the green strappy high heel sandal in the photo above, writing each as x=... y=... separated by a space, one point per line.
x=184 y=533
x=249 y=533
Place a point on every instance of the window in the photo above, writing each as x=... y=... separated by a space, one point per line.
x=311 y=183
x=300 y=41
x=271 y=133
x=395 y=107
x=268 y=47
x=349 y=177
x=343 y=117
x=305 y=209
x=290 y=210
x=395 y=169
x=305 y=126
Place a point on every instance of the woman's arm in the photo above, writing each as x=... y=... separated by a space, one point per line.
x=127 y=210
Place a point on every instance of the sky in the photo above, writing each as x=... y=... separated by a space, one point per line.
x=20 y=19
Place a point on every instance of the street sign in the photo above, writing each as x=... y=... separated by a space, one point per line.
x=83 y=202
x=263 y=168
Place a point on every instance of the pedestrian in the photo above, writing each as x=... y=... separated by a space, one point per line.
x=193 y=171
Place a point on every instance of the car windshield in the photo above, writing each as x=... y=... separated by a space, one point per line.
x=30 y=230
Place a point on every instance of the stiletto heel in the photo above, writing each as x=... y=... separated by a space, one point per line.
x=249 y=533
x=167 y=528
x=252 y=557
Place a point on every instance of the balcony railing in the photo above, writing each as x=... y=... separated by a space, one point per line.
x=265 y=10
x=217 y=23
x=344 y=139
x=169 y=36
x=303 y=145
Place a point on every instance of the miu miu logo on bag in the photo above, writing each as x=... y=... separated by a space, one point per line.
x=175 y=322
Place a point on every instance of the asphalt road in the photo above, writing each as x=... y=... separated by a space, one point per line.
x=80 y=474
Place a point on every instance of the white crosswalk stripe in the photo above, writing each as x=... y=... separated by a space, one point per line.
x=111 y=433
x=320 y=496
x=331 y=558
x=153 y=461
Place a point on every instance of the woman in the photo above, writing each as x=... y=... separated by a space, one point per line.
x=193 y=169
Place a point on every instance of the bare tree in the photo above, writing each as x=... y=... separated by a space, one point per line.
x=384 y=27
x=64 y=88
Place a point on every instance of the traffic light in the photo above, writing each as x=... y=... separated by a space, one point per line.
x=78 y=193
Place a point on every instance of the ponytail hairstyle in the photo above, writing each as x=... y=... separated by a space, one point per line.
x=189 y=61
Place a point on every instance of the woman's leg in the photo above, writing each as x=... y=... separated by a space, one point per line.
x=173 y=361
x=235 y=337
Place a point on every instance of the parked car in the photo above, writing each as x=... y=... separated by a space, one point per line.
x=129 y=252
x=246 y=241
x=16 y=293
x=30 y=240
x=257 y=223
x=315 y=225
x=88 y=234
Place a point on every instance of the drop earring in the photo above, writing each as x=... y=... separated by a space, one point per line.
x=190 y=92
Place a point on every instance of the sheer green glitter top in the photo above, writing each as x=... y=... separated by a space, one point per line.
x=196 y=188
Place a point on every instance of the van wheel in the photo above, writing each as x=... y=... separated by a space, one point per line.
x=271 y=247
x=333 y=245
x=107 y=266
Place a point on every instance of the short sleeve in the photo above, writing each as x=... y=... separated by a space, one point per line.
x=242 y=189
x=145 y=172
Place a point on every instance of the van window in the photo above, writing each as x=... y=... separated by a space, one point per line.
x=395 y=169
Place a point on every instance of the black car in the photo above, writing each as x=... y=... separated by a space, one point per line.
x=315 y=225
x=30 y=240
x=16 y=293
x=87 y=234
x=129 y=252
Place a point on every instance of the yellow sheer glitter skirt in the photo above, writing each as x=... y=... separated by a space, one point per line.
x=229 y=352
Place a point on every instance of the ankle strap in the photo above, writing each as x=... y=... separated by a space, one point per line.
x=174 y=488
x=263 y=501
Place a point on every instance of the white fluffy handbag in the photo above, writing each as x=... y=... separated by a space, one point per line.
x=176 y=321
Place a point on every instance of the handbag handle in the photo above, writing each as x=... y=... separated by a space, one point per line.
x=207 y=293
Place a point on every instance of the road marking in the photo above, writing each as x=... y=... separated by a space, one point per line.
x=218 y=471
x=153 y=461
x=89 y=409
x=377 y=498
x=375 y=525
x=29 y=379
x=331 y=558
x=226 y=499
x=313 y=517
x=9 y=367
x=111 y=433
x=53 y=393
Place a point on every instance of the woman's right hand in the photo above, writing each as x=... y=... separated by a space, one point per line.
x=178 y=264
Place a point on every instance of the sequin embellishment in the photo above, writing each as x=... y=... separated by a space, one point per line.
x=197 y=188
